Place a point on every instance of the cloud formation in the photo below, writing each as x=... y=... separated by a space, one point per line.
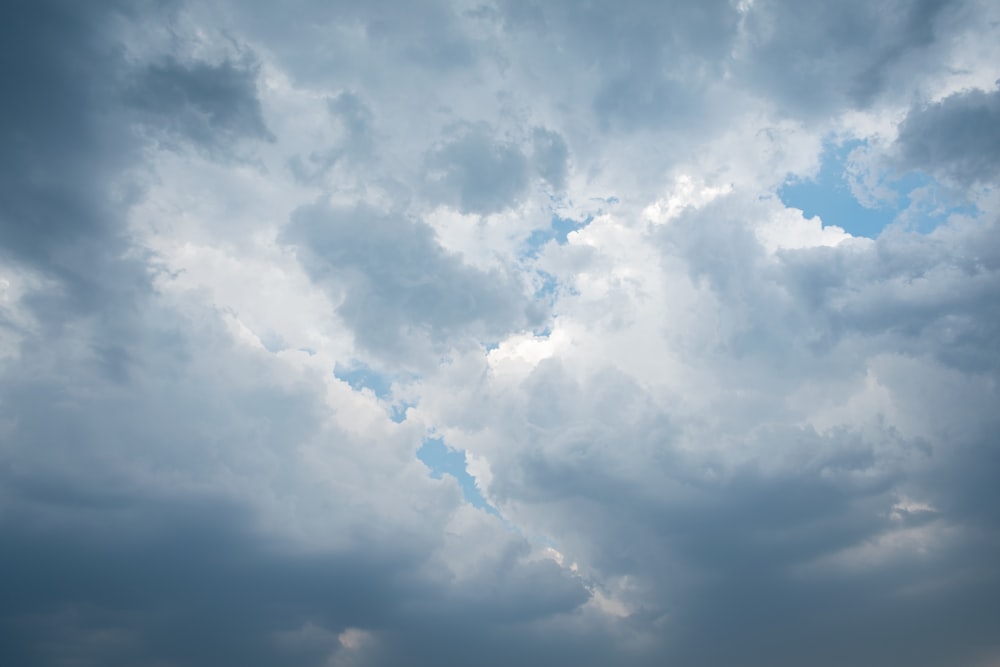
x=956 y=137
x=253 y=257
x=401 y=291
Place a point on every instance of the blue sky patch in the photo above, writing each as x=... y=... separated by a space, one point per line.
x=829 y=196
x=443 y=460
x=361 y=376
x=558 y=230
x=397 y=411
x=918 y=201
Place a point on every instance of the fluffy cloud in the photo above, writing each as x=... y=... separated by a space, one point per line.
x=956 y=137
x=709 y=430
x=402 y=291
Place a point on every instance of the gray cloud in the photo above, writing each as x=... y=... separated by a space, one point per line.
x=919 y=294
x=209 y=105
x=741 y=456
x=650 y=57
x=478 y=172
x=752 y=537
x=403 y=294
x=726 y=559
x=355 y=143
x=134 y=514
x=187 y=580
x=655 y=61
x=61 y=141
x=957 y=138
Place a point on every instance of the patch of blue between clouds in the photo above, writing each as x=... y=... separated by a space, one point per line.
x=558 y=231
x=443 y=460
x=397 y=411
x=829 y=196
x=361 y=376
x=548 y=285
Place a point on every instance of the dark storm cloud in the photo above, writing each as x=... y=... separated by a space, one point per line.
x=423 y=33
x=61 y=139
x=404 y=294
x=919 y=294
x=725 y=565
x=98 y=568
x=124 y=543
x=957 y=138
x=421 y=36
x=745 y=536
x=177 y=580
x=65 y=136
x=144 y=579
x=66 y=140
x=209 y=105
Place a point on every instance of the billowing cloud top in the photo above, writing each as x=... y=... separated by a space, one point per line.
x=500 y=333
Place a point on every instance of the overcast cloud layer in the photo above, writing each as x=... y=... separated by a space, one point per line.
x=254 y=255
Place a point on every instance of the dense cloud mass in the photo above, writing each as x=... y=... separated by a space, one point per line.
x=400 y=290
x=254 y=256
x=958 y=137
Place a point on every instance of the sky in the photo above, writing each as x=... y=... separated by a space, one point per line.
x=500 y=332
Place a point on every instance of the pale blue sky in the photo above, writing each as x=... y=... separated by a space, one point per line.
x=829 y=196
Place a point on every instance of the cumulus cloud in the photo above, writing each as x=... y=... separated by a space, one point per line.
x=401 y=290
x=956 y=137
x=551 y=157
x=753 y=477
x=253 y=258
